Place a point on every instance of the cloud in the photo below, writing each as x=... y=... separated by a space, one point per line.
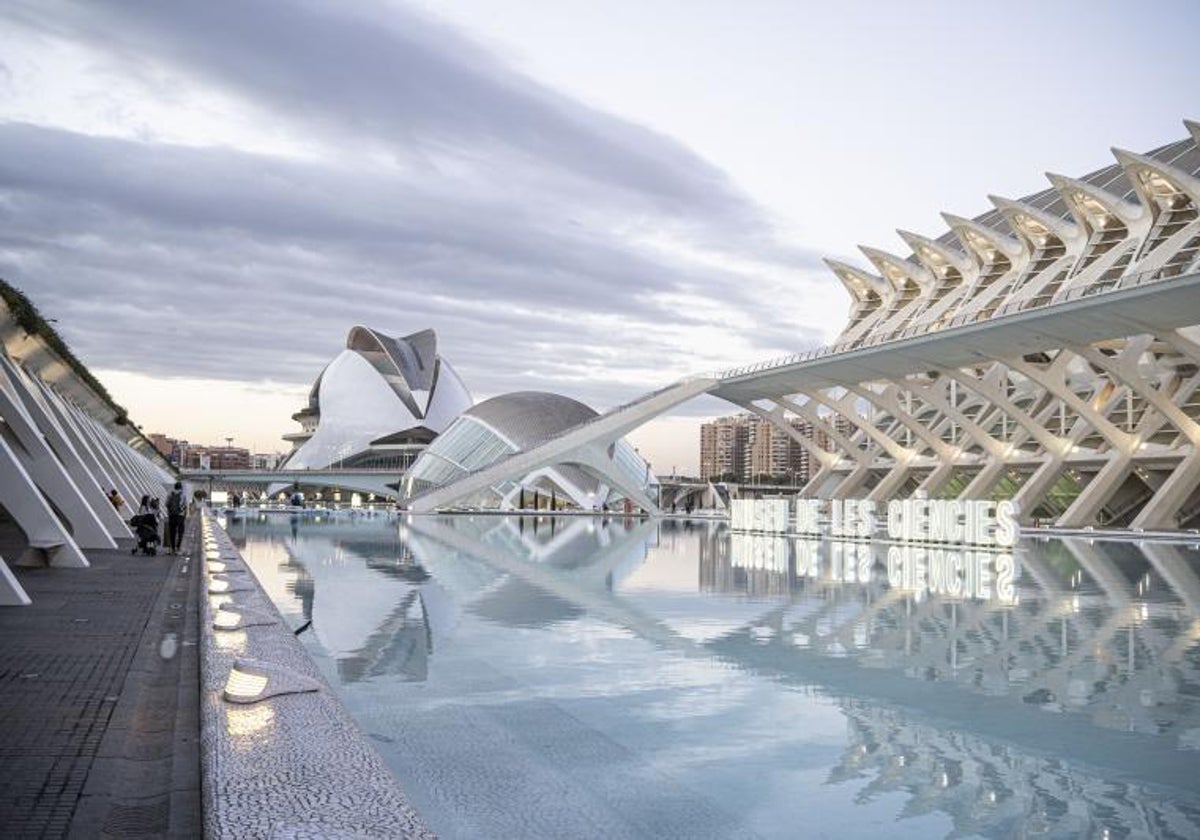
x=444 y=190
x=392 y=78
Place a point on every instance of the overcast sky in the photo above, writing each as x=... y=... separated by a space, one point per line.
x=590 y=198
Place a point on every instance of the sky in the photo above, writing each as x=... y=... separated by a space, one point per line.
x=587 y=198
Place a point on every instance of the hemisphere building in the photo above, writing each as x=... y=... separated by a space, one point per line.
x=495 y=429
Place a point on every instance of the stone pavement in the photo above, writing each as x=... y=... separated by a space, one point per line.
x=99 y=697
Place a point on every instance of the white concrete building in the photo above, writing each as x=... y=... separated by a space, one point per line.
x=64 y=446
x=1047 y=351
x=1098 y=429
x=378 y=404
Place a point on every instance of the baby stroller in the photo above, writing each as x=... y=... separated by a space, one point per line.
x=145 y=528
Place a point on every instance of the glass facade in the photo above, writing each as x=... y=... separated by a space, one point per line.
x=466 y=446
x=470 y=444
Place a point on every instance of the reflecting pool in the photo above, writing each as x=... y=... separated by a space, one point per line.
x=572 y=677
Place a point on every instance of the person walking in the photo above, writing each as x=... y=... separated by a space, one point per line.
x=176 y=516
x=156 y=512
x=115 y=498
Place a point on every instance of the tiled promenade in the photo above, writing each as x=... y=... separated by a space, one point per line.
x=99 y=698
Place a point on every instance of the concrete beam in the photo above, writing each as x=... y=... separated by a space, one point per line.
x=73 y=460
x=1160 y=510
x=27 y=443
x=46 y=535
x=12 y=594
x=1098 y=491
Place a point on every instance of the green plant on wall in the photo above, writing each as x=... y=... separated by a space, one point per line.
x=29 y=319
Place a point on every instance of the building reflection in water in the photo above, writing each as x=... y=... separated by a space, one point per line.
x=1066 y=650
x=1050 y=690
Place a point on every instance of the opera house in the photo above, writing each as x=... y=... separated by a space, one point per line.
x=396 y=405
x=377 y=404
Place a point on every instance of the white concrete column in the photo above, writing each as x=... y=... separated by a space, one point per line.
x=114 y=475
x=24 y=502
x=83 y=447
x=131 y=461
x=987 y=388
x=888 y=399
x=12 y=594
x=1098 y=491
x=818 y=481
x=804 y=409
x=981 y=485
x=72 y=460
x=47 y=471
x=1160 y=510
x=156 y=477
x=113 y=451
x=850 y=485
x=1035 y=488
x=145 y=467
x=887 y=487
x=937 y=479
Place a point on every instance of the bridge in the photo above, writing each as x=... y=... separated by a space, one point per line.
x=1149 y=303
x=379 y=482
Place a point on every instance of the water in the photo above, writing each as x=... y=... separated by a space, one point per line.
x=573 y=678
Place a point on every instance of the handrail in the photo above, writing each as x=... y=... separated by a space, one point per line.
x=1127 y=281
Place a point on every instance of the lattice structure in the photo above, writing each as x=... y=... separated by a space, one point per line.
x=1099 y=433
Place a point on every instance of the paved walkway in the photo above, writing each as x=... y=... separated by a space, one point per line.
x=99 y=697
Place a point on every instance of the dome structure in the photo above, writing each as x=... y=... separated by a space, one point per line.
x=378 y=403
x=502 y=426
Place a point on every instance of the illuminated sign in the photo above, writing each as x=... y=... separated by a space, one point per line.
x=964 y=573
x=764 y=515
x=948 y=521
x=755 y=551
x=979 y=575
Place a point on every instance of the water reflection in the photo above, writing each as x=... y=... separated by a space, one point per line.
x=1050 y=690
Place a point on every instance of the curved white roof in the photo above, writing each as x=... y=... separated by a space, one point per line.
x=376 y=387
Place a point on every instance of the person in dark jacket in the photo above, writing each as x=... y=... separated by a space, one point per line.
x=176 y=517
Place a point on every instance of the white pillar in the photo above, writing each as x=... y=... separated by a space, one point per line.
x=1160 y=511
x=82 y=446
x=112 y=451
x=47 y=471
x=21 y=498
x=11 y=592
x=72 y=459
x=112 y=475
x=127 y=459
x=1091 y=499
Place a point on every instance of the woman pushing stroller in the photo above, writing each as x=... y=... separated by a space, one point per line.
x=145 y=526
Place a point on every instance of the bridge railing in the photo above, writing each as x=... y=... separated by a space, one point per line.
x=1127 y=281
